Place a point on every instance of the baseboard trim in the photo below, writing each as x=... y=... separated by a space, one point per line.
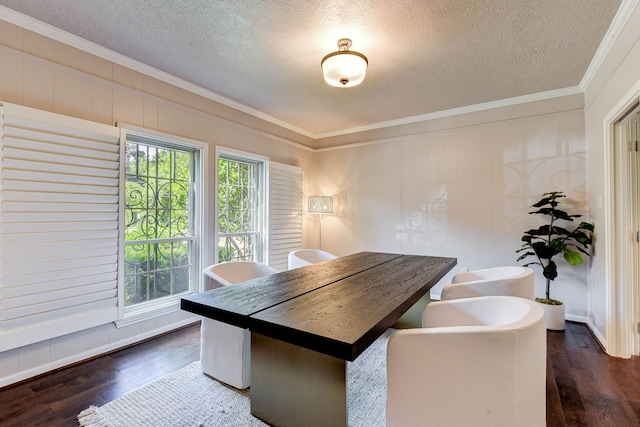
x=575 y=318
x=598 y=336
x=95 y=352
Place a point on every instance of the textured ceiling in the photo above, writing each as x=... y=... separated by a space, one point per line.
x=424 y=55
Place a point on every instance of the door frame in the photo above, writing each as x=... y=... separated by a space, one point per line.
x=622 y=289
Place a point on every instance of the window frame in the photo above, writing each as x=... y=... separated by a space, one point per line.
x=161 y=306
x=263 y=185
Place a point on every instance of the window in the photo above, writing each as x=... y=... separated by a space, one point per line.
x=241 y=208
x=63 y=217
x=246 y=198
x=160 y=216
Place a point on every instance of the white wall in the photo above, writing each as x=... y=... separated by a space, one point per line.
x=461 y=188
x=616 y=83
x=42 y=73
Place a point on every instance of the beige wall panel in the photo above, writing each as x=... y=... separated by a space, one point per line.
x=39 y=46
x=11 y=35
x=568 y=103
x=68 y=345
x=474 y=157
x=170 y=92
x=194 y=100
x=151 y=113
x=128 y=107
x=73 y=58
x=102 y=102
x=475 y=118
x=510 y=112
x=183 y=121
x=102 y=69
x=11 y=78
x=9 y=363
x=200 y=103
x=128 y=78
x=33 y=355
x=72 y=95
x=291 y=155
x=151 y=86
x=38 y=86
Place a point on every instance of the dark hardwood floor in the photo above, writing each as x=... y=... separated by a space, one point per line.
x=585 y=387
x=56 y=399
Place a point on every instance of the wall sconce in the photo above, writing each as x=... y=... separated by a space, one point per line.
x=320 y=205
x=344 y=68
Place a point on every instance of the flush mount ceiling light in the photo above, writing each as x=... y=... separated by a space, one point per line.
x=344 y=68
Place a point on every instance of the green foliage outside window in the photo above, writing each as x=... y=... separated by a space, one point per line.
x=237 y=210
x=157 y=189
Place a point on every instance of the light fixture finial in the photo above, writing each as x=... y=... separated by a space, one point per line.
x=344 y=44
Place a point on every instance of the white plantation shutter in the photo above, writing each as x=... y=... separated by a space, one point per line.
x=58 y=225
x=285 y=213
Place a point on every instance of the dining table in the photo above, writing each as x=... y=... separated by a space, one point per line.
x=307 y=323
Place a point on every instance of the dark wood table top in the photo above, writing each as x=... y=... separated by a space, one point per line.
x=337 y=307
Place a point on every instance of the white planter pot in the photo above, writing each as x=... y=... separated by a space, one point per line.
x=554 y=316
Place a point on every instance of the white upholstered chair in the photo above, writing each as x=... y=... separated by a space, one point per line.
x=225 y=350
x=515 y=281
x=477 y=362
x=302 y=257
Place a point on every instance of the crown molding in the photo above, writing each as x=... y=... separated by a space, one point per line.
x=574 y=90
x=609 y=39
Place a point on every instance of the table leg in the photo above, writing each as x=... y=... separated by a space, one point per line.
x=294 y=386
x=413 y=317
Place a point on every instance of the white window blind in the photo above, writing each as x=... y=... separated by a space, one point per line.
x=285 y=213
x=58 y=225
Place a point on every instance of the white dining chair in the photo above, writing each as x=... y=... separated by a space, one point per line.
x=303 y=257
x=225 y=350
x=476 y=362
x=515 y=281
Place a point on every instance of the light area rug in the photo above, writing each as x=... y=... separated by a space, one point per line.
x=190 y=398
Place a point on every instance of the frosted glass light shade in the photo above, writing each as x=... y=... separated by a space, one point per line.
x=320 y=204
x=344 y=68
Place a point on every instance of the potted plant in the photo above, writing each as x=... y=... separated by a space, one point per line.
x=549 y=240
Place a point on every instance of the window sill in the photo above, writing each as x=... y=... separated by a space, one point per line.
x=150 y=310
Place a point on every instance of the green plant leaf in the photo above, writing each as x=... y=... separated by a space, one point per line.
x=544 y=201
x=524 y=255
x=531 y=263
x=558 y=214
x=560 y=231
x=544 y=211
x=543 y=230
x=544 y=250
x=550 y=271
x=572 y=257
x=586 y=226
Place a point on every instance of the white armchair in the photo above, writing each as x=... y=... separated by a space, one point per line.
x=515 y=281
x=302 y=257
x=225 y=350
x=477 y=362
